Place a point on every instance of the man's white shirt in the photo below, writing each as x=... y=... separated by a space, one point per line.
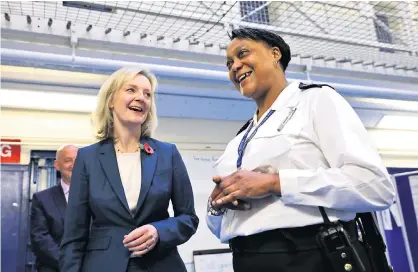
x=324 y=157
x=66 y=189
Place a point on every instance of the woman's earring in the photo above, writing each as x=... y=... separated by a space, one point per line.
x=276 y=64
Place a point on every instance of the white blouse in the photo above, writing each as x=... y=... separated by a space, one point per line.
x=324 y=157
x=130 y=173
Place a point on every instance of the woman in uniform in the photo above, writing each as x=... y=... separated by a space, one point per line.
x=313 y=151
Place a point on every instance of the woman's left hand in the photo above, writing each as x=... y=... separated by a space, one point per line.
x=141 y=240
x=244 y=184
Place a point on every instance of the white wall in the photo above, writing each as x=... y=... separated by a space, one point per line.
x=45 y=130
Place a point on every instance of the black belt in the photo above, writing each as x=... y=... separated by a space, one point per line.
x=285 y=240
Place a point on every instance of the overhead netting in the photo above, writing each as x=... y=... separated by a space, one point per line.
x=382 y=33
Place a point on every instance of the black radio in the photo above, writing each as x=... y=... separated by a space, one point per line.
x=337 y=247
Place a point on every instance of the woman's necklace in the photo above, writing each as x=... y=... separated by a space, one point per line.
x=119 y=151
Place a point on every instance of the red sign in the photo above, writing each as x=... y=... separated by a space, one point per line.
x=10 y=153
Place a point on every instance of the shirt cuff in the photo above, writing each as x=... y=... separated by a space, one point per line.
x=289 y=186
x=214 y=224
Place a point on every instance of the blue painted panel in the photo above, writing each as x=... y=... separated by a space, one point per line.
x=410 y=218
x=204 y=108
x=394 y=238
x=202 y=92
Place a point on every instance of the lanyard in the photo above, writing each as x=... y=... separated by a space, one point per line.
x=244 y=141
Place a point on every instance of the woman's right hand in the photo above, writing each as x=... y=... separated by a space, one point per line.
x=141 y=240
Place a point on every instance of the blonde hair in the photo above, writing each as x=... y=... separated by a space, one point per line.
x=103 y=116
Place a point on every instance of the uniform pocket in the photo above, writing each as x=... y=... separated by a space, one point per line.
x=273 y=142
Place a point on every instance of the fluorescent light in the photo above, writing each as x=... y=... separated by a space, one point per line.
x=48 y=75
x=399 y=122
x=378 y=103
x=52 y=101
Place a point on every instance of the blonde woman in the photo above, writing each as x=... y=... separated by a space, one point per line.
x=117 y=216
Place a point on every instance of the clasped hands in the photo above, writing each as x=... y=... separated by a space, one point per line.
x=141 y=240
x=242 y=185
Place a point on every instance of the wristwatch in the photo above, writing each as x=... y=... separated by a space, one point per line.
x=212 y=211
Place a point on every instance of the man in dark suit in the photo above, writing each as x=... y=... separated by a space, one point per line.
x=48 y=212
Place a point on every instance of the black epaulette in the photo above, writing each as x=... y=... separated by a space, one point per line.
x=304 y=86
x=244 y=127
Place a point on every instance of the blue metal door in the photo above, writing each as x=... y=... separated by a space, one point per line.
x=14 y=183
x=18 y=184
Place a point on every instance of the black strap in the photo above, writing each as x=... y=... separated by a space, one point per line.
x=368 y=225
x=373 y=242
x=304 y=86
x=324 y=216
x=244 y=127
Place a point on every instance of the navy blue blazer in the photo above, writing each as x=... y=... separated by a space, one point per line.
x=98 y=215
x=47 y=226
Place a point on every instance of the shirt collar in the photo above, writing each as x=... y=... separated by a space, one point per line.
x=283 y=100
x=65 y=187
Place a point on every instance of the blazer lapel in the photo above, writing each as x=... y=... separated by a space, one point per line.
x=59 y=199
x=148 y=165
x=107 y=158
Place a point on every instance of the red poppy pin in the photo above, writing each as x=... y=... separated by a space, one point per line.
x=147 y=148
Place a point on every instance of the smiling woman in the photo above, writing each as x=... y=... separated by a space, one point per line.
x=121 y=187
x=252 y=63
x=122 y=88
x=304 y=148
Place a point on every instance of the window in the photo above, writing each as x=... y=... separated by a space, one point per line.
x=382 y=33
x=259 y=17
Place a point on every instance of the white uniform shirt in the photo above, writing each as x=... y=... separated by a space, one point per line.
x=324 y=157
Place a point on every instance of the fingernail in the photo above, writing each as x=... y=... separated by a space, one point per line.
x=219 y=201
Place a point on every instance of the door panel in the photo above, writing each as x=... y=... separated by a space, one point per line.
x=13 y=210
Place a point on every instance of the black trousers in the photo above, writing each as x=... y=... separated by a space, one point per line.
x=300 y=261
x=46 y=269
x=286 y=250
x=137 y=265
